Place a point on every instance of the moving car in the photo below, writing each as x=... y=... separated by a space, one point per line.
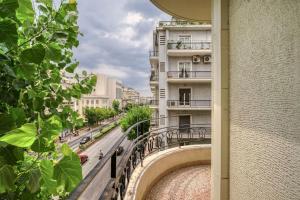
x=120 y=150
x=83 y=158
x=85 y=140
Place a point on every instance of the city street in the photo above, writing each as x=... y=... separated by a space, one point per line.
x=74 y=142
x=98 y=184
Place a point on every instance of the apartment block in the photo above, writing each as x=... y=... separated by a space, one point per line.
x=180 y=78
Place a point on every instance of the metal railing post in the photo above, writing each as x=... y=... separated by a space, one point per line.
x=113 y=166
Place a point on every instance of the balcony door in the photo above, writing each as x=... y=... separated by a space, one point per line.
x=184 y=69
x=184 y=123
x=184 y=96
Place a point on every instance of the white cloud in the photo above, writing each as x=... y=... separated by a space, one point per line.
x=133 y=18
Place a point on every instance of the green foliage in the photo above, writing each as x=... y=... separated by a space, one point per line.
x=96 y=115
x=134 y=115
x=116 y=106
x=36 y=45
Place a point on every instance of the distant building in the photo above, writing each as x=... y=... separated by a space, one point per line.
x=130 y=96
x=106 y=90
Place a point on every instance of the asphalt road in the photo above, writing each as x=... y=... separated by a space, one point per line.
x=101 y=179
x=74 y=144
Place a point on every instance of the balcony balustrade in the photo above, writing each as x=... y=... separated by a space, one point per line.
x=180 y=23
x=153 y=53
x=189 y=74
x=114 y=184
x=189 y=103
x=193 y=45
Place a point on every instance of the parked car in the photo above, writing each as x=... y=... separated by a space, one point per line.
x=120 y=150
x=85 y=140
x=83 y=158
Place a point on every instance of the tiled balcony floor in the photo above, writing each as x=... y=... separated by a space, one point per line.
x=189 y=183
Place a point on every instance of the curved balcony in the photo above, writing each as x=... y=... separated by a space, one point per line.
x=153 y=79
x=99 y=184
x=189 y=76
x=189 y=104
x=153 y=57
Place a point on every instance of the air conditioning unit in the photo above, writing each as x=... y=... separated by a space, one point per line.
x=196 y=59
x=207 y=59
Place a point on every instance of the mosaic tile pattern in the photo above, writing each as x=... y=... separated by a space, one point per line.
x=189 y=183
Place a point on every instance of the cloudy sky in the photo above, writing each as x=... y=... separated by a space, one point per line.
x=117 y=39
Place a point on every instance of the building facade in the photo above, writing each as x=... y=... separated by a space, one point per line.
x=130 y=96
x=106 y=90
x=181 y=73
x=256 y=95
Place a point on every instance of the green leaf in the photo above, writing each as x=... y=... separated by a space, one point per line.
x=72 y=67
x=66 y=150
x=53 y=52
x=35 y=54
x=25 y=11
x=18 y=115
x=47 y=169
x=10 y=154
x=7 y=178
x=52 y=128
x=21 y=137
x=8 y=32
x=27 y=71
x=7 y=123
x=8 y=8
x=68 y=172
x=41 y=144
x=33 y=184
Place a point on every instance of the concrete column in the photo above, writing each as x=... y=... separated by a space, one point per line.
x=220 y=92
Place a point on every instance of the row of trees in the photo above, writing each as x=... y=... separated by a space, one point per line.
x=95 y=116
x=36 y=45
x=134 y=115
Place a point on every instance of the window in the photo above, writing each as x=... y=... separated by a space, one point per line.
x=97 y=102
x=87 y=102
x=184 y=69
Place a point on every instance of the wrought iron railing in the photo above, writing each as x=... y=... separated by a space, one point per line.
x=189 y=103
x=153 y=53
x=189 y=74
x=180 y=23
x=194 y=45
x=141 y=147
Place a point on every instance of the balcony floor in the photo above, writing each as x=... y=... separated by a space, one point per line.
x=187 y=183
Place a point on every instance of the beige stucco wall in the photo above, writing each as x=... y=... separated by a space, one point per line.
x=264 y=99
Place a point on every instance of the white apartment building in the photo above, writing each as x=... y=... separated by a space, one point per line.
x=130 y=95
x=106 y=90
x=181 y=73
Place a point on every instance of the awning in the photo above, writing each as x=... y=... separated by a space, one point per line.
x=195 y=10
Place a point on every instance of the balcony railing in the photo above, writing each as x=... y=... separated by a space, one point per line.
x=188 y=103
x=189 y=74
x=153 y=53
x=154 y=78
x=179 y=23
x=193 y=45
x=153 y=102
x=147 y=143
